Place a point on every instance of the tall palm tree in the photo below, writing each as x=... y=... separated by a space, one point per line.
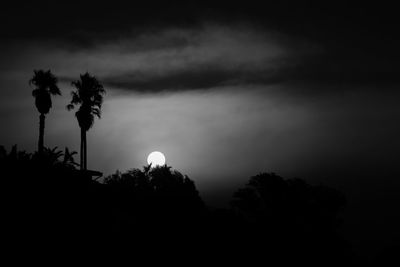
x=89 y=95
x=46 y=85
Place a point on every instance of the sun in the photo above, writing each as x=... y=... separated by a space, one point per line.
x=156 y=158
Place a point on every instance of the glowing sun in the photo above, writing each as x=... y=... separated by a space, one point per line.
x=156 y=158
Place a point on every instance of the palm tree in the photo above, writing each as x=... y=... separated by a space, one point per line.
x=46 y=85
x=89 y=95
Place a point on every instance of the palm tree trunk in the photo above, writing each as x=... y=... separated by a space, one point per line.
x=85 y=150
x=82 y=151
x=41 y=133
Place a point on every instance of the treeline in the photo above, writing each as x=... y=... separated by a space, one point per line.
x=158 y=212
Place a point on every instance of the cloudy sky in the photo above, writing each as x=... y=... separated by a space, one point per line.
x=224 y=91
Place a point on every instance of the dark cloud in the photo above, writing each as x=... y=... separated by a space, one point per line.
x=207 y=57
x=206 y=78
x=175 y=59
x=153 y=46
x=91 y=21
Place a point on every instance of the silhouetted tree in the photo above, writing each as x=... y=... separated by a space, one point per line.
x=46 y=85
x=155 y=199
x=89 y=95
x=269 y=196
x=294 y=217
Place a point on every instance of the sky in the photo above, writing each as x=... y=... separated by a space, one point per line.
x=305 y=90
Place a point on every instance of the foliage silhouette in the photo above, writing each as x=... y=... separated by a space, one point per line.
x=45 y=85
x=154 y=195
x=89 y=95
x=159 y=212
x=295 y=217
x=36 y=188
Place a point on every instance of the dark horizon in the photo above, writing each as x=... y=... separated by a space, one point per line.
x=226 y=91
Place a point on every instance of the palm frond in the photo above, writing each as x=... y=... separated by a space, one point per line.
x=54 y=90
x=97 y=112
x=69 y=157
x=46 y=85
x=89 y=94
x=35 y=92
